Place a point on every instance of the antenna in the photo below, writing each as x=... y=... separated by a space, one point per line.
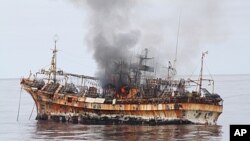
x=177 y=40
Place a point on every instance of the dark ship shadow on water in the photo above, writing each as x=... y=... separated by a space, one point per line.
x=47 y=130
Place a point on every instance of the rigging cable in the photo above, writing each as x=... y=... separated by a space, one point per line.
x=32 y=111
x=194 y=70
x=19 y=103
x=208 y=71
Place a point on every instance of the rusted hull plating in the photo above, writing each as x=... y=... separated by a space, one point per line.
x=77 y=110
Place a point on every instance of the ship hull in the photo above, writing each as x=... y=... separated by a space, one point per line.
x=66 y=108
x=192 y=117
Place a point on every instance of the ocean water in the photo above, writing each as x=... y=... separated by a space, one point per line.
x=234 y=89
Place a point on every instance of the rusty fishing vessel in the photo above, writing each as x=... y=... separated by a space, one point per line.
x=67 y=97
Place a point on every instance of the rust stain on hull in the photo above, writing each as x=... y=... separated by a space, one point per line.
x=140 y=101
x=55 y=108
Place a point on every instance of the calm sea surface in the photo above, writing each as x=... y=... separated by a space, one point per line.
x=235 y=90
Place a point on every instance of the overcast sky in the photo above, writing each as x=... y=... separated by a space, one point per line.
x=222 y=28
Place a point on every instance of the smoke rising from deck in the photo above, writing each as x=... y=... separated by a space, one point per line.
x=111 y=37
x=119 y=29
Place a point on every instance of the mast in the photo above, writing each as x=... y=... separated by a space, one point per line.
x=142 y=67
x=201 y=71
x=146 y=52
x=53 y=63
x=170 y=67
x=177 y=41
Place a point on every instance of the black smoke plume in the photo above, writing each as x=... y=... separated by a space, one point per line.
x=112 y=38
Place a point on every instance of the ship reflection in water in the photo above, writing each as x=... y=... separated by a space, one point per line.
x=52 y=130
